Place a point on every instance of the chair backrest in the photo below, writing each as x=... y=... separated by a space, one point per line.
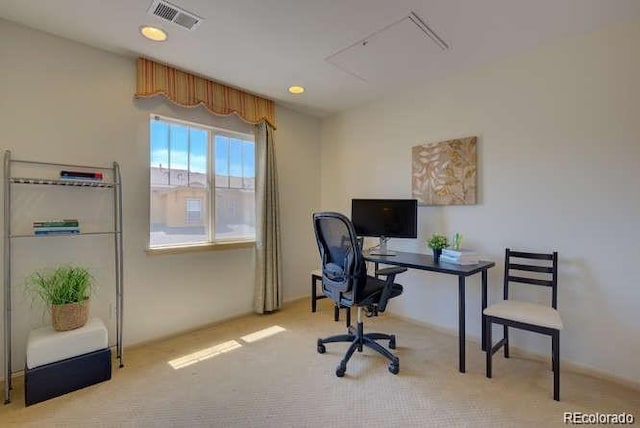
x=343 y=268
x=541 y=269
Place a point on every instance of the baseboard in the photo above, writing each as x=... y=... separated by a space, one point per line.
x=186 y=331
x=294 y=300
x=208 y=325
x=566 y=364
x=579 y=368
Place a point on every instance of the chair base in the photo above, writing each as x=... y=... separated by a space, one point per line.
x=358 y=340
x=504 y=343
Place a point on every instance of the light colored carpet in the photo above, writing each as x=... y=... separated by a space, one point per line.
x=281 y=381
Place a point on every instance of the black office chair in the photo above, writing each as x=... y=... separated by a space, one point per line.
x=316 y=278
x=345 y=281
x=536 y=269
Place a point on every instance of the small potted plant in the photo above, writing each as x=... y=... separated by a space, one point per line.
x=437 y=242
x=65 y=290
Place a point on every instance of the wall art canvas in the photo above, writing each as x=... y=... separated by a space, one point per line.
x=445 y=173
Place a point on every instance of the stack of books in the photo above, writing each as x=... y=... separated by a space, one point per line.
x=459 y=257
x=80 y=175
x=56 y=227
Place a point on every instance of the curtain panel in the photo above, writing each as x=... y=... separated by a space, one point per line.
x=188 y=90
x=268 y=293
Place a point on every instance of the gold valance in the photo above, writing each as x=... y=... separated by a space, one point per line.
x=189 y=90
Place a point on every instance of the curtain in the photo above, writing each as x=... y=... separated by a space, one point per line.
x=188 y=90
x=268 y=293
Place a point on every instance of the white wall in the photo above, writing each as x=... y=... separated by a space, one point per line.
x=66 y=102
x=559 y=149
x=299 y=174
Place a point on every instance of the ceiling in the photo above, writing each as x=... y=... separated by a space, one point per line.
x=344 y=52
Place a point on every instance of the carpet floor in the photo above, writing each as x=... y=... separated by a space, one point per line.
x=264 y=371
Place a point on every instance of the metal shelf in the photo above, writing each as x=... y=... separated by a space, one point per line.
x=61 y=234
x=116 y=232
x=61 y=182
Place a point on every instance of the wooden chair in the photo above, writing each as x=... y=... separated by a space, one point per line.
x=542 y=270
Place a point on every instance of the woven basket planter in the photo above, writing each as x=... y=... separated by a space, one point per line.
x=69 y=316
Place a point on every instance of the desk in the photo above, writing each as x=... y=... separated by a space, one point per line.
x=425 y=262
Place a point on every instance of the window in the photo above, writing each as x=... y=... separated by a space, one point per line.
x=194 y=211
x=202 y=184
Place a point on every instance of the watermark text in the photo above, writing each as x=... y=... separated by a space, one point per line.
x=580 y=418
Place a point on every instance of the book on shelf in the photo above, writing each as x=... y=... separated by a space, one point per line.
x=57 y=229
x=81 y=175
x=68 y=222
x=80 y=178
x=61 y=231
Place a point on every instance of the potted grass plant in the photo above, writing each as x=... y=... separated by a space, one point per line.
x=437 y=242
x=65 y=290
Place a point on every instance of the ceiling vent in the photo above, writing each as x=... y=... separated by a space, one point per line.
x=172 y=13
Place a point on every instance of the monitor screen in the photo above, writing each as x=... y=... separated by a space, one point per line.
x=391 y=218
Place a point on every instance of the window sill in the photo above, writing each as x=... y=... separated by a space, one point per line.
x=218 y=246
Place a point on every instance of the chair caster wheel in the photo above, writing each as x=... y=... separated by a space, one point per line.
x=394 y=368
x=340 y=370
x=392 y=342
x=321 y=348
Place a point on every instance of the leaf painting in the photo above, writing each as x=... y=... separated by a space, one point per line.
x=445 y=173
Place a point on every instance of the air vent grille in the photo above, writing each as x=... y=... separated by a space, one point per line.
x=172 y=13
x=165 y=12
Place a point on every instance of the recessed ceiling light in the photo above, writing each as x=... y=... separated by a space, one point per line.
x=296 y=89
x=153 y=33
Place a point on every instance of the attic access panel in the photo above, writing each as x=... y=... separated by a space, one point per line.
x=403 y=51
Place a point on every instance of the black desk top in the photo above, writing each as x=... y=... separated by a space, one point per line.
x=425 y=262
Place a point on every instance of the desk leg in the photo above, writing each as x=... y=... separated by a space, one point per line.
x=484 y=306
x=461 y=322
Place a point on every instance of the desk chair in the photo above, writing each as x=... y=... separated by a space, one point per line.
x=345 y=281
x=542 y=270
x=316 y=277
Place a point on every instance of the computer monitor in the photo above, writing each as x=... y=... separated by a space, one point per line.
x=385 y=218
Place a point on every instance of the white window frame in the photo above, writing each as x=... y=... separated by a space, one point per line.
x=212 y=242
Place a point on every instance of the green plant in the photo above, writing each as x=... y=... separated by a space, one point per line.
x=61 y=285
x=438 y=241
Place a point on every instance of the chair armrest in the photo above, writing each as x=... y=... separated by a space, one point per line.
x=390 y=271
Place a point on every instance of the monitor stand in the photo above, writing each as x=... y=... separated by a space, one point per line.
x=382 y=249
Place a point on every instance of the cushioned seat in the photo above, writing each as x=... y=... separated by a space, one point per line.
x=530 y=313
x=371 y=292
x=46 y=345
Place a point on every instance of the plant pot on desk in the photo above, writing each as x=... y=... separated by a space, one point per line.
x=436 y=254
